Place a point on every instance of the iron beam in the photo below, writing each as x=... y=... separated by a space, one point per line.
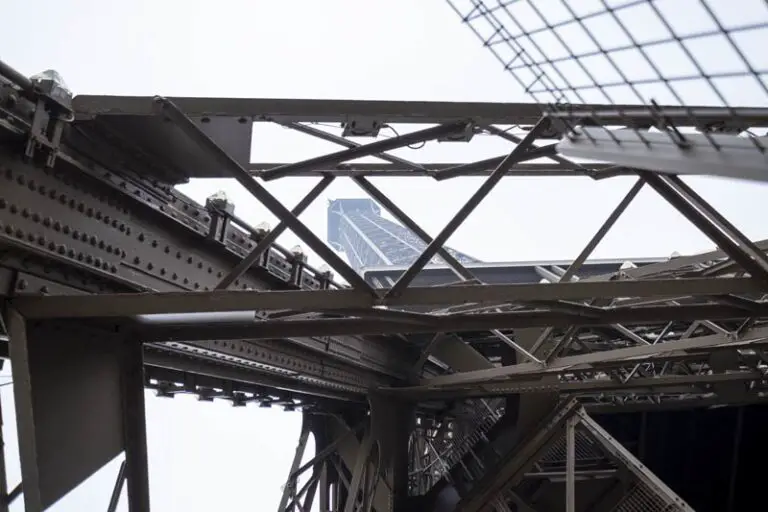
x=419 y=112
x=428 y=169
x=265 y=243
x=119 y=305
x=372 y=148
x=460 y=216
x=167 y=108
x=445 y=323
x=587 y=361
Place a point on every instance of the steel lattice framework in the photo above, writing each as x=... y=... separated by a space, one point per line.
x=106 y=267
x=356 y=227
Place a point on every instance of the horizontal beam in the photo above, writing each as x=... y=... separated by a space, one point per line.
x=671 y=384
x=526 y=169
x=445 y=323
x=585 y=362
x=340 y=111
x=119 y=305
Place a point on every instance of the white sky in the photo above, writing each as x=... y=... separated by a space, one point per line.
x=211 y=456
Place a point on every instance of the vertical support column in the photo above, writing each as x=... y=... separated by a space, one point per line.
x=735 y=459
x=289 y=492
x=570 y=465
x=60 y=444
x=359 y=473
x=25 y=421
x=135 y=426
x=4 y=498
x=325 y=489
x=391 y=424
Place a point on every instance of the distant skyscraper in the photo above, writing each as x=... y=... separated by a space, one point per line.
x=356 y=227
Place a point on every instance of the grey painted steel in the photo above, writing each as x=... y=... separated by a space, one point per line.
x=87 y=306
x=733 y=157
x=677 y=333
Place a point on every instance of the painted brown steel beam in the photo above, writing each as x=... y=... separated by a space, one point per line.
x=265 y=243
x=473 y=202
x=428 y=169
x=362 y=150
x=446 y=323
x=588 y=361
x=419 y=112
x=167 y=108
x=118 y=305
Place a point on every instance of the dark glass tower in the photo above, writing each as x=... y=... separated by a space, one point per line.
x=356 y=227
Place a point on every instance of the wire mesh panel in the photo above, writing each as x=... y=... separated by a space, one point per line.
x=674 y=75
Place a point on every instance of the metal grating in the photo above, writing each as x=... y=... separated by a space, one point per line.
x=628 y=51
x=700 y=59
x=641 y=499
x=586 y=451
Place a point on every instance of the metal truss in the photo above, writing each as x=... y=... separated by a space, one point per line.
x=467 y=392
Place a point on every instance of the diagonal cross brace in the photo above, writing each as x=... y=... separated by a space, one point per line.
x=467 y=209
x=373 y=148
x=381 y=198
x=167 y=108
x=330 y=137
x=703 y=216
x=272 y=236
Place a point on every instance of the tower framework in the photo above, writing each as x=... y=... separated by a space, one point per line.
x=108 y=268
x=357 y=228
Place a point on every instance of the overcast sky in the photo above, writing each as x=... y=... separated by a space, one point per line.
x=211 y=456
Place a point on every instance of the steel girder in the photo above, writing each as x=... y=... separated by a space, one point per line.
x=664 y=335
